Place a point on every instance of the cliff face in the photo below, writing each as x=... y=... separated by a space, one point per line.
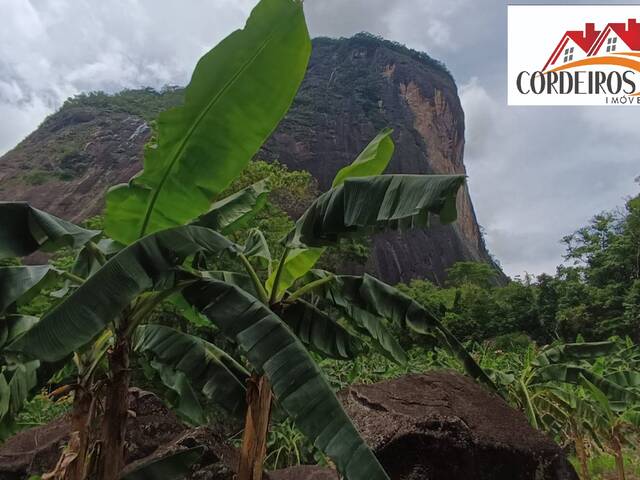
x=353 y=88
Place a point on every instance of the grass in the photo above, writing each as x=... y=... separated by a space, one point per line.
x=603 y=467
x=41 y=410
x=36 y=177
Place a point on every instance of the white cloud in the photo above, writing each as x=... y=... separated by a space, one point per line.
x=22 y=118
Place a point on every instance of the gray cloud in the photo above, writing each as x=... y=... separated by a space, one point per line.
x=536 y=174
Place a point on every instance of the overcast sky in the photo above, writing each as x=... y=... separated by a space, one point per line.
x=535 y=173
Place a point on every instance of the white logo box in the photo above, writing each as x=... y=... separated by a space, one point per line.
x=583 y=55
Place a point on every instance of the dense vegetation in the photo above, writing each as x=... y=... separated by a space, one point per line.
x=146 y=103
x=595 y=294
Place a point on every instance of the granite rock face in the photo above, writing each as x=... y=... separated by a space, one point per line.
x=353 y=88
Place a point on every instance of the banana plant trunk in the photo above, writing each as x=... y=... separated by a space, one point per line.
x=256 y=428
x=81 y=424
x=115 y=411
x=581 y=453
x=617 y=452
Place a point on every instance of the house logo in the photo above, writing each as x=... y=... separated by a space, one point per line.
x=597 y=63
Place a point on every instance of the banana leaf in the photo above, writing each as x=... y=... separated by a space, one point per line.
x=573 y=374
x=185 y=401
x=375 y=327
x=237 y=210
x=376 y=297
x=625 y=378
x=319 y=331
x=92 y=256
x=297 y=263
x=16 y=383
x=208 y=369
x=571 y=352
x=20 y=284
x=12 y=326
x=376 y=203
x=256 y=246
x=373 y=160
x=239 y=92
x=240 y=280
x=297 y=383
x=600 y=397
x=26 y=229
x=148 y=264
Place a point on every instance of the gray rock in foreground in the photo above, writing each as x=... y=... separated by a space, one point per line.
x=443 y=425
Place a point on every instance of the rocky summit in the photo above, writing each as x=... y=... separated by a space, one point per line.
x=354 y=87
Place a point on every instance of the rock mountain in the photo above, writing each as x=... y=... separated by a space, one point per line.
x=354 y=87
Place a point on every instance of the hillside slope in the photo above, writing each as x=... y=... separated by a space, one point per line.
x=353 y=88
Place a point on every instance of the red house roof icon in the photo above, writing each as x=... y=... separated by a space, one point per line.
x=629 y=33
x=584 y=39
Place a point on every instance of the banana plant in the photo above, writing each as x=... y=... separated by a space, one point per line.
x=25 y=231
x=565 y=390
x=571 y=416
x=615 y=424
x=527 y=379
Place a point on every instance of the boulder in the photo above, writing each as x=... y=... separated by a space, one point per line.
x=443 y=425
x=217 y=462
x=303 y=472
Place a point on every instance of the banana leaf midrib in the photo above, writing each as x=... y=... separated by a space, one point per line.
x=196 y=124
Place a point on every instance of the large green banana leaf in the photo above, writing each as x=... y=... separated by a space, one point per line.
x=12 y=326
x=365 y=204
x=20 y=284
x=16 y=382
x=239 y=92
x=570 y=352
x=376 y=203
x=185 y=401
x=256 y=245
x=373 y=160
x=319 y=331
x=369 y=324
x=240 y=280
x=377 y=329
x=376 y=297
x=297 y=263
x=625 y=378
x=599 y=396
x=26 y=229
x=235 y=211
x=567 y=373
x=297 y=383
x=209 y=369
x=148 y=264
x=92 y=256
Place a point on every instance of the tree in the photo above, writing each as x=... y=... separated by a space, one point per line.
x=473 y=273
x=547 y=305
x=517 y=305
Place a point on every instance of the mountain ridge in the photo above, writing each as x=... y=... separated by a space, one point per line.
x=353 y=88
